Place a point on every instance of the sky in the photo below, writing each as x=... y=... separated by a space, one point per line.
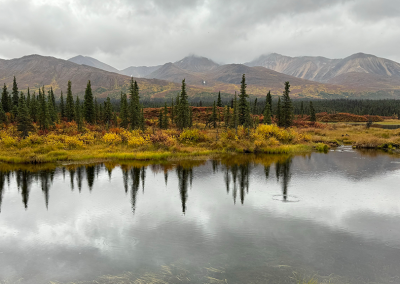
x=125 y=33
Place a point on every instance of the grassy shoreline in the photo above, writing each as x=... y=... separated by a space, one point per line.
x=66 y=144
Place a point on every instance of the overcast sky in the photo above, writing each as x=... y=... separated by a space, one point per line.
x=123 y=33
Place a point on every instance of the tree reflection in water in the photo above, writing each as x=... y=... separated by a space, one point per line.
x=236 y=177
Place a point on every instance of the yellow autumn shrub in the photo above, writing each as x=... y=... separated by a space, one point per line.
x=193 y=135
x=112 y=138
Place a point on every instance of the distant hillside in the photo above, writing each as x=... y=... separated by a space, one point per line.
x=324 y=70
x=33 y=71
x=89 y=61
x=196 y=64
x=139 y=72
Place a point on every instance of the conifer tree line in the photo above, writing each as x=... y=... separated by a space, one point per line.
x=41 y=108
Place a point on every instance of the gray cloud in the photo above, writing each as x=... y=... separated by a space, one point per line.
x=123 y=33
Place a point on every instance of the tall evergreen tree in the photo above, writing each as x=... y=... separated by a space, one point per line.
x=124 y=111
x=4 y=99
x=267 y=114
x=172 y=111
x=23 y=118
x=313 y=118
x=28 y=99
x=183 y=114
x=134 y=104
x=15 y=93
x=255 y=107
x=43 y=116
x=51 y=107
x=33 y=108
x=70 y=106
x=107 y=111
x=243 y=106
x=88 y=105
x=227 y=115
x=62 y=106
x=279 y=113
x=78 y=114
x=287 y=108
x=219 y=101
x=269 y=100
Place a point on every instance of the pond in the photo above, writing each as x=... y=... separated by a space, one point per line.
x=331 y=217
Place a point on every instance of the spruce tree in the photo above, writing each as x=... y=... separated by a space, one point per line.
x=88 y=105
x=78 y=114
x=287 y=108
x=255 y=107
x=115 y=119
x=28 y=99
x=183 y=114
x=33 y=108
x=62 y=106
x=4 y=99
x=23 y=118
x=267 y=114
x=124 y=111
x=70 y=106
x=43 y=111
x=219 y=102
x=15 y=94
x=269 y=100
x=51 y=107
x=107 y=111
x=243 y=106
x=313 y=118
x=134 y=104
x=279 y=113
x=226 y=116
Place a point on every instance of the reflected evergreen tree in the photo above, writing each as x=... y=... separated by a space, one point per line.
x=79 y=176
x=215 y=165
x=2 y=183
x=63 y=172
x=135 y=177
x=283 y=171
x=125 y=177
x=143 y=176
x=266 y=171
x=184 y=176
x=90 y=173
x=166 y=177
x=71 y=176
x=234 y=170
x=45 y=183
x=227 y=179
x=25 y=178
x=243 y=180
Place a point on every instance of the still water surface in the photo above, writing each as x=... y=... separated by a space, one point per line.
x=248 y=219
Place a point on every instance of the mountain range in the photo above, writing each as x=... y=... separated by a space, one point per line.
x=311 y=77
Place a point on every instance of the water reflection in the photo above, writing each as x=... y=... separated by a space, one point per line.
x=212 y=219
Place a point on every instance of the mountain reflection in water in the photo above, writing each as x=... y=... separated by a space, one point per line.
x=203 y=221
